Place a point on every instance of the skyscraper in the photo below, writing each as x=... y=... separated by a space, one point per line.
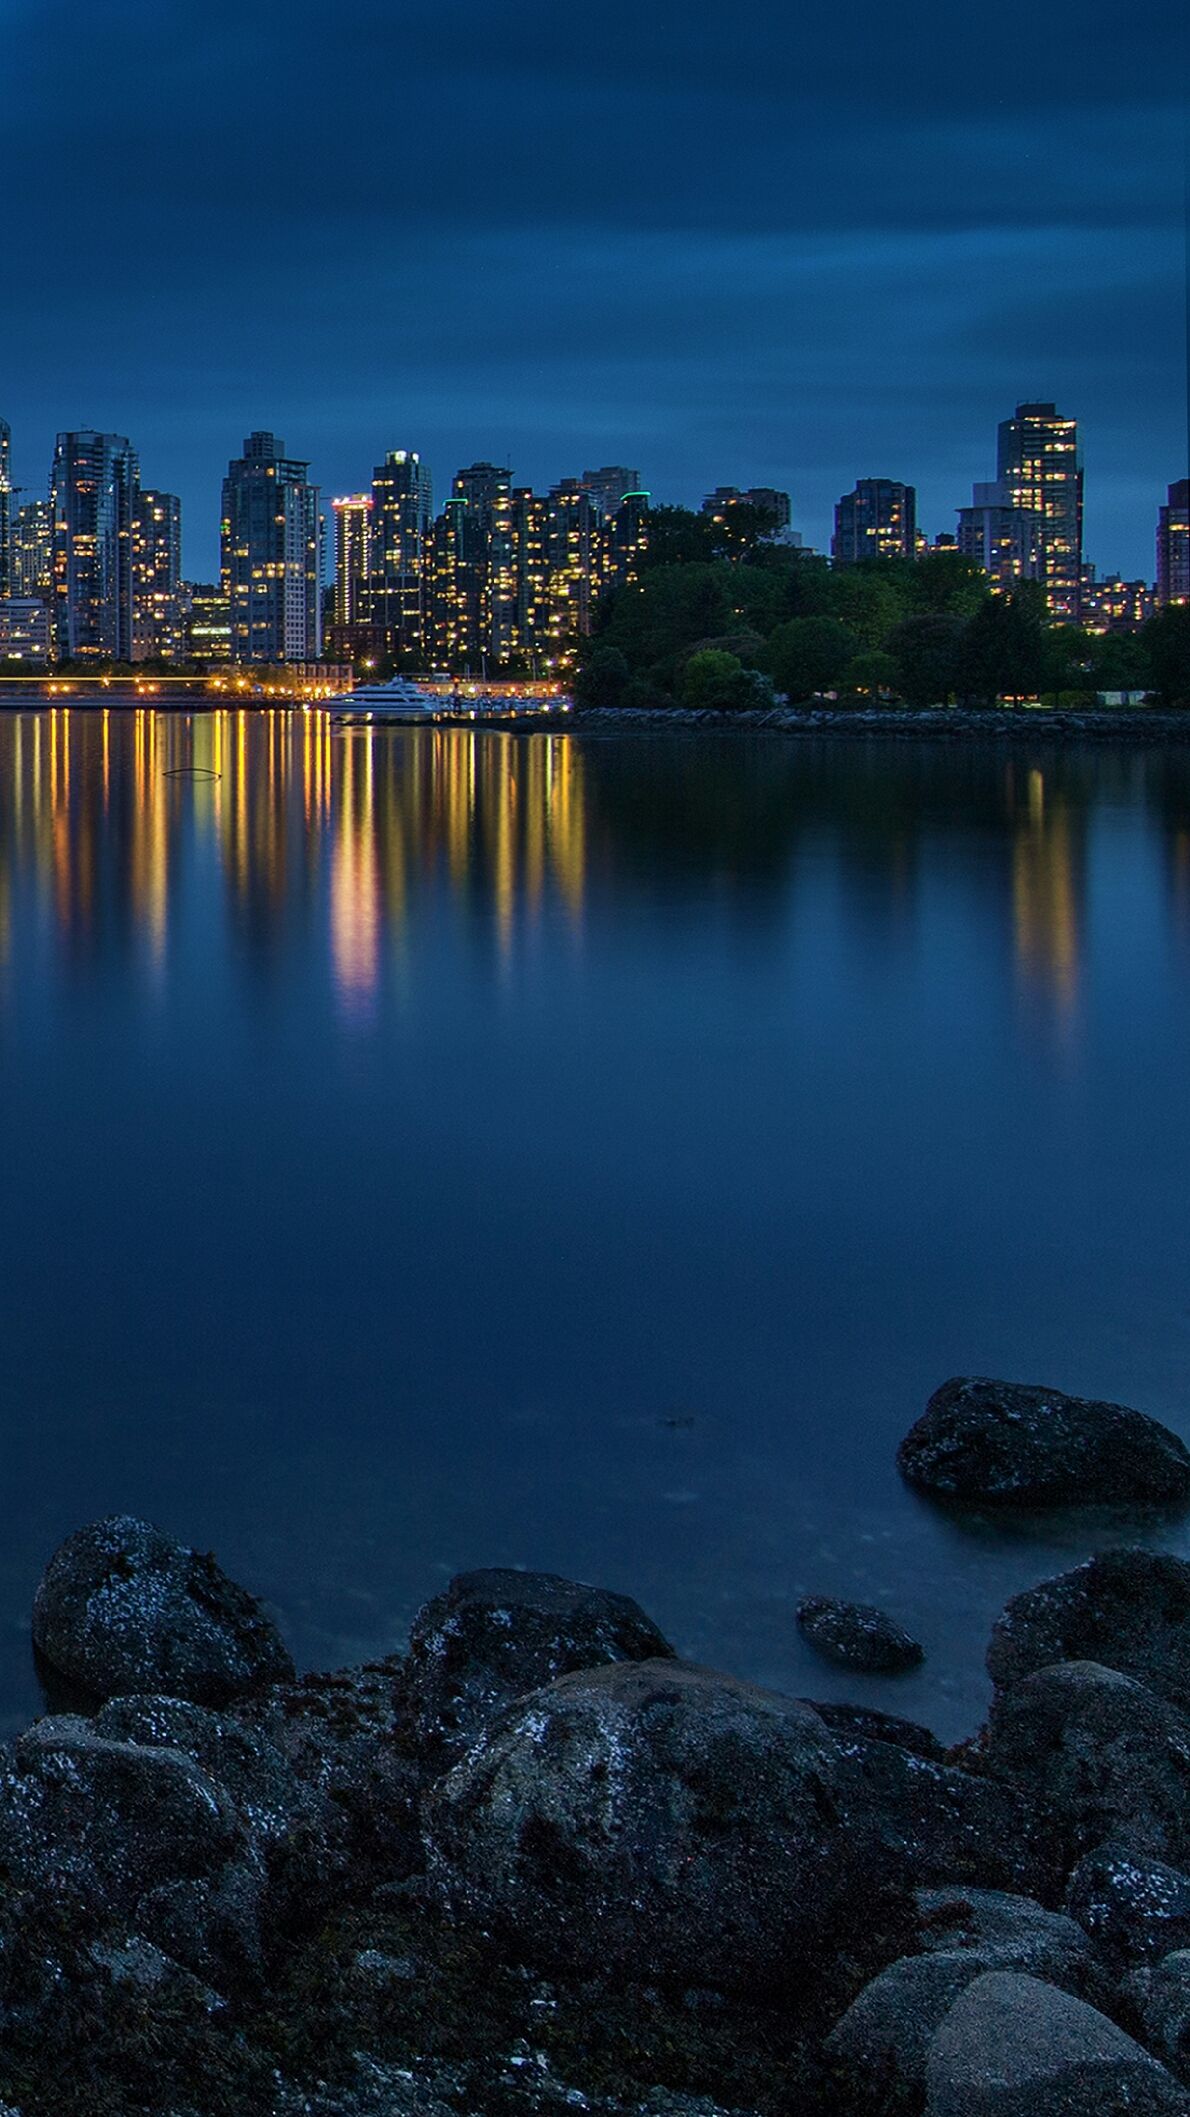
x=608 y=486
x=272 y=555
x=1039 y=472
x=473 y=586
x=353 y=558
x=572 y=548
x=402 y=512
x=5 y=508
x=93 y=489
x=32 y=551
x=156 y=577
x=1173 y=545
x=876 y=521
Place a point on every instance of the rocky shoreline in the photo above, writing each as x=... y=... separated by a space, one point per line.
x=535 y=1862
x=1138 y=724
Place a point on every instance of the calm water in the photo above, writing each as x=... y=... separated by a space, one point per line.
x=428 y=1149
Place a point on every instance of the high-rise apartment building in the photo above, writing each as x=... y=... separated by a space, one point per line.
x=5 y=508
x=1001 y=538
x=272 y=555
x=767 y=497
x=876 y=521
x=353 y=558
x=156 y=577
x=402 y=515
x=93 y=490
x=1039 y=472
x=625 y=541
x=473 y=588
x=573 y=549
x=608 y=486
x=32 y=551
x=530 y=571
x=207 y=622
x=1173 y=545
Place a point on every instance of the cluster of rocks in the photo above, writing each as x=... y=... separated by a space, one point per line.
x=1148 y=724
x=538 y=1863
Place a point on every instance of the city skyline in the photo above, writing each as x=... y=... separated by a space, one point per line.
x=789 y=257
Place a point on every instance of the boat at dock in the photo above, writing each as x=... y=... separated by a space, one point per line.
x=401 y=701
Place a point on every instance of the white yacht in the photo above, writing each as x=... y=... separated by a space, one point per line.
x=397 y=699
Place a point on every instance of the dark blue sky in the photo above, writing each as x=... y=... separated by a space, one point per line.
x=745 y=243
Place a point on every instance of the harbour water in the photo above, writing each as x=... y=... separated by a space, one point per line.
x=426 y=1148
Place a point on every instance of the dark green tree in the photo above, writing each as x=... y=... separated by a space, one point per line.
x=1166 y=641
x=810 y=654
x=927 y=651
x=1003 y=650
x=714 y=682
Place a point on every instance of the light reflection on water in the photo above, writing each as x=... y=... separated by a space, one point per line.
x=444 y=1147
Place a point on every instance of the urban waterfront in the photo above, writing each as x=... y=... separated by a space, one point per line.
x=443 y=1147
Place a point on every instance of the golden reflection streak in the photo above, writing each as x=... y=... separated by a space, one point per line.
x=1045 y=896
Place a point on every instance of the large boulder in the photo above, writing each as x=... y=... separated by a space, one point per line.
x=1136 y=1908
x=1160 y=1997
x=109 y=1830
x=987 y=1443
x=858 y=1636
x=1012 y=2046
x=493 y=1635
x=1102 y=1754
x=1006 y=1931
x=655 y=1820
x=868 y=1724
x=123 y=1608
x=1127 y=1609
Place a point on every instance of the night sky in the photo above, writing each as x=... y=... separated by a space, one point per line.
x=745 y=243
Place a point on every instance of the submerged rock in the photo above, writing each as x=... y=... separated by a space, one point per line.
x=1101 y=1753
x=491 y=1636
x=857 y=1636
x=1011 y=2046
x=1127 y=1610
x=123 y=1608
x=1019 y=1444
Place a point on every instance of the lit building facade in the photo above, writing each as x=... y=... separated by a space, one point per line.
x=271 y=535
x=530 y=570
x=1001 y=538
x=608 y=486
x=1039 y=471
x=402 y=516
x=206 y=616
x=1173 y=545
x=24 y=631
x=573 y=547
x=93 y=490
x=353 y=558
x=32 y=551
x=773 y=502
x=876 y=521
x=5 y=508
x=473 y=588
x=156 y=577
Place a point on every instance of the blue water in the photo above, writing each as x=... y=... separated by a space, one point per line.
x=425 y=1149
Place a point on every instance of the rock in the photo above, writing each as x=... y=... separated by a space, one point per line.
x=338 y=1734
x=271 y=1800
x=857 y=1636
x=1009 y=1932
x=1161 y=1997
x=878 y=2051
x=491 y=1636
x=105 y=1829
x=1127 y=1610
x=1011 y=2046
x=123 y=1608
x=1136 y=1908
x=867 y=1724
x=1101 y=1752
x=1017 y=1444
x=658 y=1821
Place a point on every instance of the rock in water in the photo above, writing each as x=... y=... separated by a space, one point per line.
x=1128 y=1610
x=856 y=1635
x=1014 y=2047
x=123 y=1608
x=493 y=1635
x=1008 y=1444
